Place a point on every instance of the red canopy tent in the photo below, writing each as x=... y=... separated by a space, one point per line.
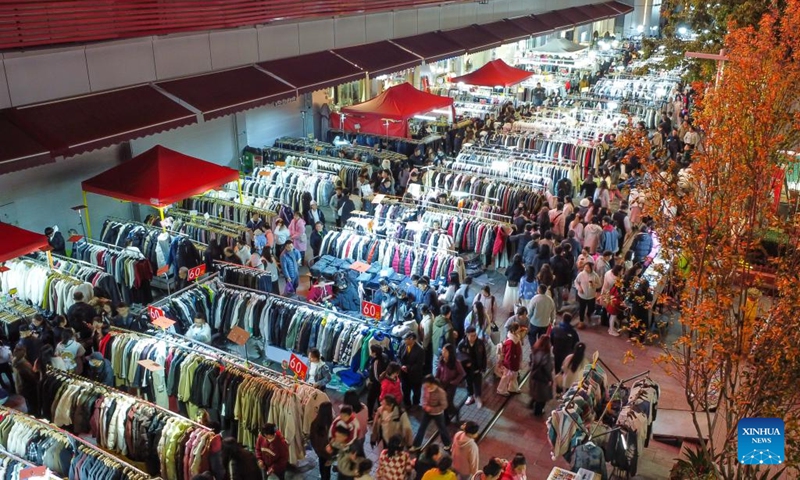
x=394 y=106
x=158 y=177
x=15 y=242
x=496 y=73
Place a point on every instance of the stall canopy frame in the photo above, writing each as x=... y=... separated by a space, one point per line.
x=496 y=73
x=15 y=242
x=395 y=105
x=158 y=177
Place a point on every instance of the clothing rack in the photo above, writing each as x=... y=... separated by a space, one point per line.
x=229 y=203
x=323 y=158
x=448 y=210
x=165 y=299
x=227 y=357
x=298 y=303
x=106 y=389
x=155 y=228
x=65 y=258
x=69 y=437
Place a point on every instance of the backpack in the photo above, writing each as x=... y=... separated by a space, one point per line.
x=499 y=357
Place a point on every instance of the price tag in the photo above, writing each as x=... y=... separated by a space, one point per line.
x=33 y=472
x=163 y=270
x=371 y=310
x=3 y=269
x=163 y=322
x=150 y=365
x=264 y=173
x=378 y=198
x=47 y=248
x=280 y=164
x=75 y=238
x=13 y=291
x=298 y=367
x=360 y=267
x=154 y=313
x=197 y=272
x=238 y=335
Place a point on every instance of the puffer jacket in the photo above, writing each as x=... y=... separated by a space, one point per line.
x=512 y=352
x=389 y=424
x=436 y=400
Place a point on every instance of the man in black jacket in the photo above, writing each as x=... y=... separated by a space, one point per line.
x=345 y=207
x=429 y=296
x=80 y=316
x=56 y=240
x=412 y=361
x=562 y=271
x=472 y=354
x=314 y=214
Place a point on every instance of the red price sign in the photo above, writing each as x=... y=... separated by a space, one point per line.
x=298 y=367
x=197 y=272
x=371 y=310
x=154 y=313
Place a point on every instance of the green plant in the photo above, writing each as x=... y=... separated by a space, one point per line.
x=694 y=466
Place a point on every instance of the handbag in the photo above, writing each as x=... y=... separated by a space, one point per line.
x=288 y=290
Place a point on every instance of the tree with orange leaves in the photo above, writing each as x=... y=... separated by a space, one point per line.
x=735 y=254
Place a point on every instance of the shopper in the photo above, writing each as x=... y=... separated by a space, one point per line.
x=378 y=362
x=318 y=437
x=541 y=385
x=348 y=462
x=29 y=341
x=528 y=285
x=390 y=382
x=491 y=471
x=100 y=370
x=572 y=368
x=394 y=462
x=450 y=374
x=200 y=331
x=229 y=256
x=297 y=232
x=80 y=316
x=588 y=284
x=314 y=215
x=434 y=403
x=443 y=471
x=512 y=359
x=458 y=313
x=472 y=352
x=443 y=333
x=242 y=251
x=290 y=267
x=514 y=274
x=272 y=452
x=562 y=273
x=465 y=451
x=56 y=241
x=364 y=469
x=352 y=398
x=428 y=459
x=282 y=235
x=71 y=352
x=239 y=462
x=316 y=239
x=26 y=382
x=412 y=364
x=564 y=337
x=319 y=373
x=478 y=320
x=391 y=420
x=487 y=300
x=348 y=420
x=515 y=469
x=542 y=311
x=426 y=335
x=272 y=269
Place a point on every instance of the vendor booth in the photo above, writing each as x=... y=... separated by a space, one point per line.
x=158 y=177
x=496 y=73
x=15 y=242
x=389 y=113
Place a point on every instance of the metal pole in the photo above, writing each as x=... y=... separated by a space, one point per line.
x=88 y=226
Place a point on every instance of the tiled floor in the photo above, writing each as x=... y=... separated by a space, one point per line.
x=517 y=430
